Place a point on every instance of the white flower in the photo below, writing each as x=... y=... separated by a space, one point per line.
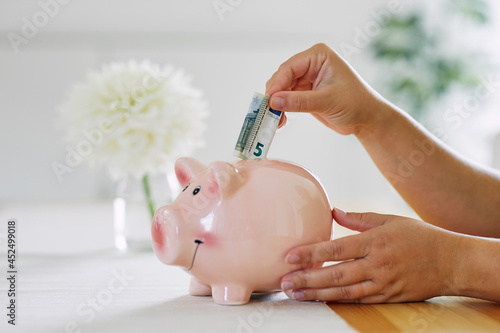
x=138 y=118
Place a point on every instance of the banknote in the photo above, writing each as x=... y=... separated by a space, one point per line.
x=258 y=129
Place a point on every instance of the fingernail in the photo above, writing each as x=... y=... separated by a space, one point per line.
x=298 y=295
x=339 y=211
x=277 y=103
x=292 y=259
x=287 y=285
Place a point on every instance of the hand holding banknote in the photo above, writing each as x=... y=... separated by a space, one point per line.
x=318 y=81
x=393 y=258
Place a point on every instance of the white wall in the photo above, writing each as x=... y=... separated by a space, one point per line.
x=228 y=59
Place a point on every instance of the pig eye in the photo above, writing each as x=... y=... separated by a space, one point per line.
x=185 y=188
x=196 y=190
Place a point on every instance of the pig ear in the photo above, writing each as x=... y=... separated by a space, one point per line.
x=227 y=178
x=186 y=168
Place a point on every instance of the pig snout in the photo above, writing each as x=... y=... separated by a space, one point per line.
x=163 y=235
x=172 y=241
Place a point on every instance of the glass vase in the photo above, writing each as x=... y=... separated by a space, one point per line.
x=135 y=202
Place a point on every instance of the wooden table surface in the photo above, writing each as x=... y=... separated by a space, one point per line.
x=440 y=314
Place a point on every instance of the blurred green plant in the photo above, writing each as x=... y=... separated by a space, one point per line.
x=475 y=10
x=420 y=70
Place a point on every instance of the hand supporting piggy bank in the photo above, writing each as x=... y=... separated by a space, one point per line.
x=233 y=224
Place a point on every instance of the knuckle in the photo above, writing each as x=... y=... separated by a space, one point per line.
x=300 y=102
x=381 y=242
x=337 y=249
x=323 y=251
x=320 y=46
x=336 y=276
x=363 y=218
x=283 y=67
x=301 y=280
x=388 y=265
x=345 y=293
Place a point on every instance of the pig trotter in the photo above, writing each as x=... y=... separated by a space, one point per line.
x=197 y=288
x=231 y=295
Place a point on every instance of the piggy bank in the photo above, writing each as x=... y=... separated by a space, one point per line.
x=232 y=224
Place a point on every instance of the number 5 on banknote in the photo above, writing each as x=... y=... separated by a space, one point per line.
x=258 y=149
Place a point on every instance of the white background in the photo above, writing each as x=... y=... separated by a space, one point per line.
x=228 y=59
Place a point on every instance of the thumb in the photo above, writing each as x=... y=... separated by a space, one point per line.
x=359 y=221
x=300 y=101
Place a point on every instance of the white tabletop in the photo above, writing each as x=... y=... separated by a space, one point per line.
x=70 y=279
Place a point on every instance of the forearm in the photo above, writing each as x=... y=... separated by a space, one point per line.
x=441 y=187
x=475 y=272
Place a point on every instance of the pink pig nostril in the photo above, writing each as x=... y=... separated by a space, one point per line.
x=165 y=235
x=158 y=232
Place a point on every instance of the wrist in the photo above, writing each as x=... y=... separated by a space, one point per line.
x=376 y=121
x=475 y=267
x=454 y=258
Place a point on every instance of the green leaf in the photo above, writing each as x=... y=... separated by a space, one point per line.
x=475 y=10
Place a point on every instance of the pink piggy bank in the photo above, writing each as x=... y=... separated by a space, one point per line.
x=232 y=224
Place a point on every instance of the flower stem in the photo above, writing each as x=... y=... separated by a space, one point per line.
x=147 y=192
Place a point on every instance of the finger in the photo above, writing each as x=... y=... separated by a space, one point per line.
x=289 y=293
x=345 y=248
x=352 y=292
x=304 y=65
x=359 y=221
x=343 y=274
x=301 y=101
x=283 y=120
x=287 y=74
x=372 y=299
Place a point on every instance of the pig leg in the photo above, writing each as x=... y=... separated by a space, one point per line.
x=197 y=288
x=231 y=295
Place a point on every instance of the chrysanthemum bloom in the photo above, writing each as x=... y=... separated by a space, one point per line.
x=152 y=116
